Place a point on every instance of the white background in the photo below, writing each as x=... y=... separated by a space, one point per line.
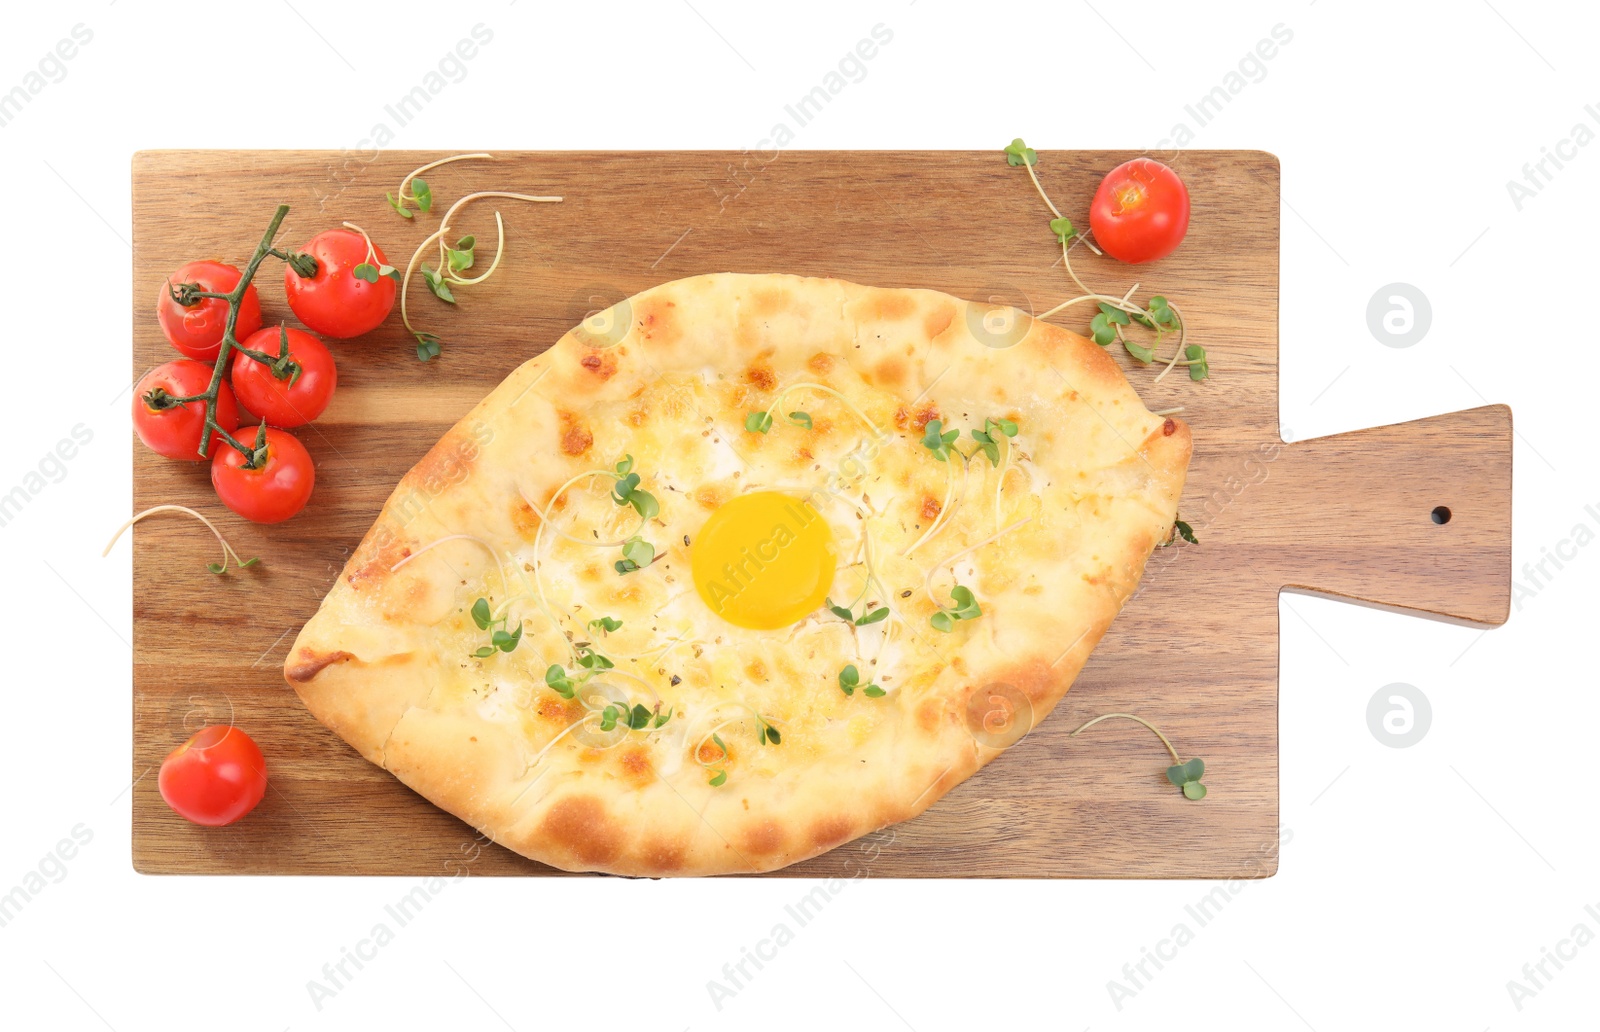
x=1419 y=881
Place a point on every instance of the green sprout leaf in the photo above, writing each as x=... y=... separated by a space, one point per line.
x=1199 y=368
x=937 y=440
x=481 y=614
x=557 y=679
x=1063 y=230
x=608 y=718
x=437 y=285
x=877 y=615
x=592 y=660
x=626 y=492
x=849 y=677
x=427 y=346
x=1019 y=153
x=987 y=445
x=424 y=195
x=506 y=642
x=639 y=551
x=662 y=718
x=1161 y=314
x=1139 y=351
x=966 y=604
x=800 y=419
x=625 y=466
x=460 y=256
x=758 y=422
x=1004 y=426
x=605 y=624
x=723 y=746
x=966 y=608
x=1113 y=314
x=1101 y=330
x=840 y=611
x=872 y=691
x=717 y=781
x=366 y=272
x=401 y=209
x=1185 y=531
x=485 y=652
x=639 y=717
x=1187 y=777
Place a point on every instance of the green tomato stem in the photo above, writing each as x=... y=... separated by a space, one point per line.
x=230 y=343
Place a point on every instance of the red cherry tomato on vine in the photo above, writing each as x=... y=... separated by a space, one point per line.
x=175 y=431
x=196 y=330
x=335 y=302
x=1141 y=211
x=214 y=778
x=304 y=391
x=276 y=489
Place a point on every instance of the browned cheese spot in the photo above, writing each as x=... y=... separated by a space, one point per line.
x=601 y=364
x=575 y=437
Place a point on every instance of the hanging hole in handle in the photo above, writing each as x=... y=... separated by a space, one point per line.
x=1440 y=514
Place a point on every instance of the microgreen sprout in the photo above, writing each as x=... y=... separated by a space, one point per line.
x=850 y=678
x=801 y=419
x=1183 y=530
x=986 y=438
x=758 y=422
x=500 y=639
x=371 y=268
x=1185 y=775
x=228 y=554
x=604 y=625
x=452 y=261
x=414 y=190
x=871 y=616
x=965 y=608
x=460 y=257
x=1019 y=153
x=1063 y=230
x=437 y=285
x=636 y=719
x=766 y=734
x=938 y=440
x=637 y=553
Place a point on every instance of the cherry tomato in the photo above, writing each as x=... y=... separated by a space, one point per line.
x=301 y=395
x=273 y=491
x=197 y=330
x=214 y=778
x=1141 y=211
x=334 y=302
x=175 y=431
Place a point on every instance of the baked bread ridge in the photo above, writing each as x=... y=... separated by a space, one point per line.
x=1089 y=486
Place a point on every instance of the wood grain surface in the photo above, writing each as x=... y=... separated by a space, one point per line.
x=1347 y=516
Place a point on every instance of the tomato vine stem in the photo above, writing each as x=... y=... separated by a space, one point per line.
x=186 y=295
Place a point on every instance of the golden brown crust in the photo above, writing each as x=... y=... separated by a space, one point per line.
x=1052 y=540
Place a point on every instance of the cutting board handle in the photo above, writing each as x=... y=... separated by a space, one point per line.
x=1413 y=517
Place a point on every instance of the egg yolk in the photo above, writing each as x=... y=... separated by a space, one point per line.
x=764 y=560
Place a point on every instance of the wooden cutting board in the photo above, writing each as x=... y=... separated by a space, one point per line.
x=1195 y=651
